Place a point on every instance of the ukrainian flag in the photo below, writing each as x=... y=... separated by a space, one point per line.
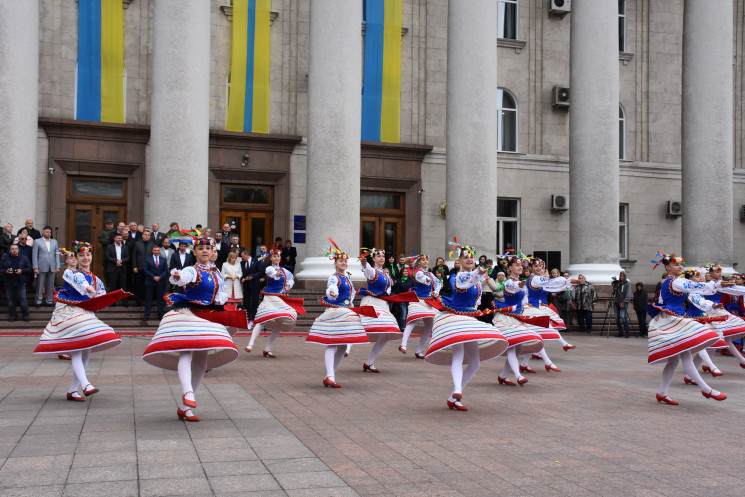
x=100 y=89
x=248 y=105
x=381 y=88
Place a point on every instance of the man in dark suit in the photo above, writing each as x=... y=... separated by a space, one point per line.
x=156 y=276
x=226 y=233
x=17 y=269
x=226 y=248
x=181 y=258
x=251 y=274
x=116 y=257
x=137 y=256
x=157 y=236
x=133 y=233
x=32 y=232
x=289 y=256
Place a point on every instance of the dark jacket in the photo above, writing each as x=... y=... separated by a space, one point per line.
x=176 y=260
x=253 y=269
x=289 y=257
x=404 y=283
x=5 y=242
x=14 y=263
x=109 y=256
x=33 y=232
x=151 y=271
x=640 y=298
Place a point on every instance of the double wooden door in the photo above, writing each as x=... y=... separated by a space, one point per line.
x=250 y=226
x=86 y=221
x=384 y=232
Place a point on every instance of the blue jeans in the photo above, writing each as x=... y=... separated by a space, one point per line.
x=403 y=309
x=16 y=293
x=621 y=315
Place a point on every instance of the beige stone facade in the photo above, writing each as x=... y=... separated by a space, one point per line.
x=650 y=94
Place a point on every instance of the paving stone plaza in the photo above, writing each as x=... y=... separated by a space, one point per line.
x=269 y=427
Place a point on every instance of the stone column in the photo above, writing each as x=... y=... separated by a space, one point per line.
x=707 y=137
x=177 y=173
x=334 y=127
x=593 y=141
x=472 y=124
x=19 y=108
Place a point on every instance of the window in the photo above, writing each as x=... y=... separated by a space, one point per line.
x=256 y=195
x=621 y=133
x=507 y=125
x=507 y=19
x=508 y=224
x=621 y=25
x=623 y=231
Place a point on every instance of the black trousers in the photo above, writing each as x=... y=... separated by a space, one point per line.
x=251 y=297
x=154 y=291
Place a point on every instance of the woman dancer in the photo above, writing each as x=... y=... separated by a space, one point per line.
x=522 y=336
x=377 y=294
x=74 y=329
x=732 y=327
x=340 y=324
x=421 y=314
x=457 y=336
x=193 y=330
x=71 y=262
x=672 y=336
x=277 y=311
x=538 y=287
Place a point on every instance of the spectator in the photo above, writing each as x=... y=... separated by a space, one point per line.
x=116 y=258
x=499 y=292
x=234 y=245
x=640 y=307
x=232 y=272
x=553 y=297
x=207 y=232
x=400 y=266
x=404 y=284
x=584 y=297
x=278 y=242
x=24 y=248
x=526 y=274
x=173 y=228
x=225 y=232
x=391 y=265
x=167 y=251
x=442 y=266
x=491 y=270
x=219 y=241
x=156 y=236
x=488 y=288
x=289 y=256
x=16 y=269
x=257 y=246
x=137 y=262
x=482 y=260
x=147 y=242
x=565 y=301
x=250 y=275
x=6 y=239
x=32 y=232
x=133 y=233
x=155 y=269
x=104 y=237
x=456 y=267
x=46 y=265
x=621 y=296
x=445 y=289
x=182 y=258
x=119 y=230
x=29 y=242
x=502 y=266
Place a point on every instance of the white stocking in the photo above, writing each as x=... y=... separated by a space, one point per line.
x=562 y=341
x=456 y=368
x=704 y=356
x=734 y=350
x=525 y=360
x=697 y=360
x=338 y=356
x=198 y=368
x=184 y=374
x=545 y=357
x=474 y=361
x=425 y=334
x=329 y=358
x=272 y=338
x=512 y=361
x=407 y=333
x=379 y=344
x=687 y=360
x=79 y=362
x=349 y=347
x=254 y=333
x=667 y=375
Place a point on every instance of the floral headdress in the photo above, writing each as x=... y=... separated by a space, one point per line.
x=416 y=258
x=275 y=250
x=712 y=266
x=665 y=259
x=460 y=250
x=79 y=246
x=66 y=252
x=333 y=252
x=372 y=252
x=191 y=237
x=690 y=273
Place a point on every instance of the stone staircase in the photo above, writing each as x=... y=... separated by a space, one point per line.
x=130 y=318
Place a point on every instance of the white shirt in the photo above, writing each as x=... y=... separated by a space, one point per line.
x=118 y=249
x=48 y=243
x=182 y=256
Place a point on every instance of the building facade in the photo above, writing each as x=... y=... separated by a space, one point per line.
x=172 y=159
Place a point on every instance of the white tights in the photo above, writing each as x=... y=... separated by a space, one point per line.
x=461 y=377
x=512 y=363
x=703 y=356
x=562 y=341
x=334 y=355
x=255 y=333
x=379 y=344
x=542 y=353
x=191 y=368
x=79 y=363
x=669 y=372
x=425 y=334
x=734 y=350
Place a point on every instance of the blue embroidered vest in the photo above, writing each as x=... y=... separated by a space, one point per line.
x=535 y=296
x=716 y=298
x=345 y=291
x=425 y=291
x=672 y=300
x=462 y=301
x=69 y=295
x=515 y=299
x=200 y=292
x=378 y=286
x=276 y=287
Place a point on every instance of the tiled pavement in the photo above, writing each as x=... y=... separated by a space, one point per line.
x=269 y=427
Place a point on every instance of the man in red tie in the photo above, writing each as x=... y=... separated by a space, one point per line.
x=156 y=276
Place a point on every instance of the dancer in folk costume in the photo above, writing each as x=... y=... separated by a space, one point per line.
x=71 y=262
x=421 y=314
x=277 y=312
x=74 y=328
x=459 y=338
x=538 y=286
x=379 y=329
x=193 y=336
x=732 y=327
x=523 y=333
x=697 y=308
x=340 y=323
x=672 y=335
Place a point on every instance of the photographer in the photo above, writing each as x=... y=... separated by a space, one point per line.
x=621 y=296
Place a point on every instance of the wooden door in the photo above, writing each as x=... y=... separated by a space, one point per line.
x=86 y=221
x=382 y=232
x=249 y=226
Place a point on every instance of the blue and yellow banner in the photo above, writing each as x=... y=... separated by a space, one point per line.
x=248 y=105
x=100 y=94
x=381 y=87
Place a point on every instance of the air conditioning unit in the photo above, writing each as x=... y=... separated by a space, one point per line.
x=674 y=208
x=559 y=7
x=560 y=203
x=560 y=97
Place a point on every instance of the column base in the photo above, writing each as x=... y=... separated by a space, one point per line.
x=597 y=274
x=320 y=268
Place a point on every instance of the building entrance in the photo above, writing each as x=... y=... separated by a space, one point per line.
x=382 y=221
x=249 y=212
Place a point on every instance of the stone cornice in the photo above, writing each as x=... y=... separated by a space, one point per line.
x=71 y=128
x=518 y=45
x=403 y=151
x=254 y=141
x=625 y=57
x=125 y=3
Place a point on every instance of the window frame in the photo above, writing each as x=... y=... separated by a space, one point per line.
x=500 y=120
x=502 y=219
x=623 y=231
x=622 y=25
x=501 y=21
x=621 y=132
